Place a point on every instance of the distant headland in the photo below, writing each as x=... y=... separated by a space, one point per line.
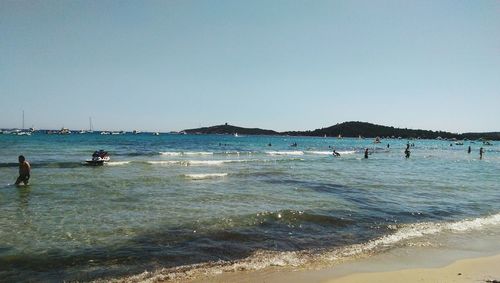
x=353 y=129
x=348 y=129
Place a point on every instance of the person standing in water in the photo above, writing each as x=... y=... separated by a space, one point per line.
x=481 y=151
x=24 y=171
x=407 y=151
x=366 y=153
x=469 y=150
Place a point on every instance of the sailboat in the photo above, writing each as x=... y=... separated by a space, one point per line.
x=90 y=131
x=23 y=132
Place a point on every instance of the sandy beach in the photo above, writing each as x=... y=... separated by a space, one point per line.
x=478 y=261
x=483 y=269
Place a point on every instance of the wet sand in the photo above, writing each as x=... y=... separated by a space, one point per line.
x=479 y=261
x=483 y=269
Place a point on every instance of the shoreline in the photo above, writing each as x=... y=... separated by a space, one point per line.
x=479 y=269
x=454 y=261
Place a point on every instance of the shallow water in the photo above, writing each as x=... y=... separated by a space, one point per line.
x=172 y=200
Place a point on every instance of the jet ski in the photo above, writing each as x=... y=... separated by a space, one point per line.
x=98 y=158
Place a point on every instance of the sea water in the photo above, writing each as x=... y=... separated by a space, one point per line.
x=219 y=202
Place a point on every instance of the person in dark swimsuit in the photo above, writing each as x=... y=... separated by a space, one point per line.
x=24 y=171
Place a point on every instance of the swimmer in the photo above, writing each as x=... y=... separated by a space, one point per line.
x=24 y=171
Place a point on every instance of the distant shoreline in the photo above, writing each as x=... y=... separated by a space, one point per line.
x=347 y=129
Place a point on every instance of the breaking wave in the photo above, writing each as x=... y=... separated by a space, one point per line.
x=116 y=163
x=295 y=152
x=205 y=176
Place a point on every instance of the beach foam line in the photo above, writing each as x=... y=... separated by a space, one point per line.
x=417 y=230
x=261 y=259
x=296 y=152
x=205 y=176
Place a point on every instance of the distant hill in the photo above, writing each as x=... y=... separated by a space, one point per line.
x=368 y=130
x=348 y=129
x=230 y=130
x=485 y=136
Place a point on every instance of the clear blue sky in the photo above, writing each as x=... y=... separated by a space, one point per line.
x=283 y=65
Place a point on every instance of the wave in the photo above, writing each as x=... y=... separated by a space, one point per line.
x=217 y=162
x=56 y=164
x=261 y=259
x=296 y=152
x=171 y=153
x=320 y=152
x=190 y=153
x=347 y=152
x=179 y=153
x=205 y=176
x=9 y=164
x=344 y=152
x=190 y=162
x=198 y=153
x=116 y=163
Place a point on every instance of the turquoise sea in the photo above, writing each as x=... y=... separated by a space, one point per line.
x=220 y=202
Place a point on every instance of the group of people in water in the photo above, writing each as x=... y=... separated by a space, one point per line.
x=25 y=167
x=407 y=151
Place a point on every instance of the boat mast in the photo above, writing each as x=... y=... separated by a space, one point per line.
x=90 y=123
x=23 y=120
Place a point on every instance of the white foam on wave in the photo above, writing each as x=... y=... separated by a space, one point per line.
x=296 y=152
x=331 y=152
x=164 y=162
x=263 y=259
x=208 y=162
x=191 y=162
x=205 y=176
x=198 y=153
x=171 y=153
x=347 y=152
x=116 y=163
x=320 y=152
x=178 y=153
x=417 y=230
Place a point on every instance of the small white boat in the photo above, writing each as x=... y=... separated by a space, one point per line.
x=64 y=131
x=156 y=134
x=236 y=135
